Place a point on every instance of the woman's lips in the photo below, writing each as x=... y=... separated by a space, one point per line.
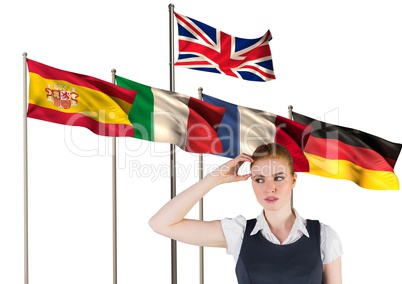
x=271 y=199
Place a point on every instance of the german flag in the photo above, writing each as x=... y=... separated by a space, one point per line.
x=344 y=153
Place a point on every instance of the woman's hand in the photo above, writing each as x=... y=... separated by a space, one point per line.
x=229 y=172
x=170 y=222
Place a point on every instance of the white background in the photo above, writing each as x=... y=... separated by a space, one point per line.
x=338 y=61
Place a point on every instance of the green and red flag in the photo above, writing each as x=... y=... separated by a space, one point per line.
x=163 y=116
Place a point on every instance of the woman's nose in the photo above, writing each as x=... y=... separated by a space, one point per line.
x=270 y=187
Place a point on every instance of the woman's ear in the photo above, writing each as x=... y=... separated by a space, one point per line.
x=294 y=179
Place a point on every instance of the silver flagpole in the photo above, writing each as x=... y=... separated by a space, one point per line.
x=201 y=202
x=172 y=147
x=25 y=146
x=290 y=116
x=114 y=198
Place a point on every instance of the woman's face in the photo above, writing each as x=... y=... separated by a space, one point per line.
x=272 y=183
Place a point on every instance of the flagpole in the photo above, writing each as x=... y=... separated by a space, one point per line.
x=290 y=116
x=172 y=146
x=201 y=202
x=114 y=198
x=25 y=149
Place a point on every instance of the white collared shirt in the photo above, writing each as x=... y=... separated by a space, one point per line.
x=233 y=229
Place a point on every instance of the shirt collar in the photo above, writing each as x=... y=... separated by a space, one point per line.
x=261 y=224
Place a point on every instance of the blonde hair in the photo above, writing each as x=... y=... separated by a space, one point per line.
x=273 y=151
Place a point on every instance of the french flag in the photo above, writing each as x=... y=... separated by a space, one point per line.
x=243 y=129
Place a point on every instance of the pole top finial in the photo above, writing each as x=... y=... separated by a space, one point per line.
x=290 y=107
x=171 y=6
x=24 y=54
x=113 y=71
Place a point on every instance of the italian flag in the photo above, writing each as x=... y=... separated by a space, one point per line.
x=163 y=116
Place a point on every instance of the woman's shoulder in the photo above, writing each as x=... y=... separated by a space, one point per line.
x=233 y=229
x=328 y=233
x=326 y=230
x=234 y=223
x=330 y=243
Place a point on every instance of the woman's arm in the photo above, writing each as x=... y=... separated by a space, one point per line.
x=332 y=273
x=170 y=222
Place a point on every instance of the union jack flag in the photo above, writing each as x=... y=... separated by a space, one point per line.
x=204 y=48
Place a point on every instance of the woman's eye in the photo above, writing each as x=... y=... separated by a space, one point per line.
x=259 y=180
x=279 y=178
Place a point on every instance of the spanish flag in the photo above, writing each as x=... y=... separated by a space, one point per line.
x=74 y=99
x=344 y=153
x=129 y=109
